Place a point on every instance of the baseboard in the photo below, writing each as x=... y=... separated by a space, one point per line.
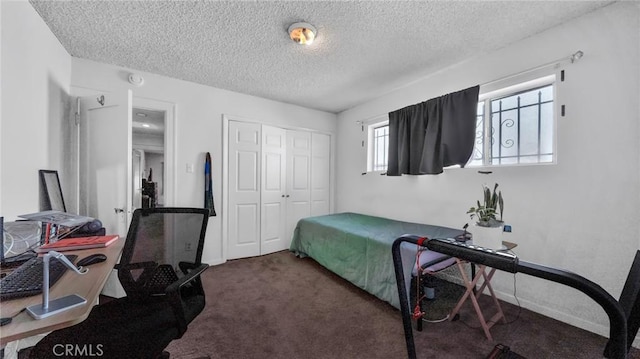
x=214 y=261
x=563 y=317
x=453 y=275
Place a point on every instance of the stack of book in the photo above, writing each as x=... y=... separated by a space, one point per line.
x=72 y=244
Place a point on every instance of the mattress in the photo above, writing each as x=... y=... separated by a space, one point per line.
x=357 y=247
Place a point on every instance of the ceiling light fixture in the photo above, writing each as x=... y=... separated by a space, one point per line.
x=146 y=125
x=302 y=33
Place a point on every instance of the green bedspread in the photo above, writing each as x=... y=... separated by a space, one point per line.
x=357 y=247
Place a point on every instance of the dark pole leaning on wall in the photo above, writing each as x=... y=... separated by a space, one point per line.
x=208 y=187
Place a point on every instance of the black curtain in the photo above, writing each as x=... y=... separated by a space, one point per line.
x=426 y=137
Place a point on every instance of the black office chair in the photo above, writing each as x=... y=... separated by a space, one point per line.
x=160 y=272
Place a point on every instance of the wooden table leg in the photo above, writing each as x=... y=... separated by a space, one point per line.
x=470 y=286
x=487 y=283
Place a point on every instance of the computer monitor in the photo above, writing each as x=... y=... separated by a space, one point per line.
x=51 y=192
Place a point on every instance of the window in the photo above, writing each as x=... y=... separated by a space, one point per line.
x=381 y=147
x=378 y=145
x=520 y=128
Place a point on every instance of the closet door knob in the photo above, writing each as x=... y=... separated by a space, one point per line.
x=282 y=196
x=287 y=196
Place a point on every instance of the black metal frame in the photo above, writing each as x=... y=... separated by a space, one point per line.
x=617 y=346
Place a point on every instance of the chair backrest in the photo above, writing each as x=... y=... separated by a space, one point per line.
x=161 y=246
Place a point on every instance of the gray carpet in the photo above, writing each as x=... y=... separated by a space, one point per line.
x=280 y=306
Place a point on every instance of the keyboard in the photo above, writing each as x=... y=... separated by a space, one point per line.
x=26 y=280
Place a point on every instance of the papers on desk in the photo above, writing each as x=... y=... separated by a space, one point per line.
x=58 y=217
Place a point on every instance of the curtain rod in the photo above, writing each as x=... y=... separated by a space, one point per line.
x=572 y=59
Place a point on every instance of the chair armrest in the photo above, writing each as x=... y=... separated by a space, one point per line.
x=188 y=277
x=175 y=300
x=185 y=267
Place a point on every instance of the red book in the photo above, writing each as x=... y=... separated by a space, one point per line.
x=72 y=244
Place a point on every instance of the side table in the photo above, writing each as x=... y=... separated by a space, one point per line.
x=486 y=273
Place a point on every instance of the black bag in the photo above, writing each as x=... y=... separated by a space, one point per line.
x=501 y=351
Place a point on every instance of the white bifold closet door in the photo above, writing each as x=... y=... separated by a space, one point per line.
x=321 y=170
x=276 y=176
x=298 y=178
x=274 y=200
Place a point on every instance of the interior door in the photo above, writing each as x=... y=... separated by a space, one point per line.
x=244 y=190
x=105 y=160
x=298 y=179
x=274 y=196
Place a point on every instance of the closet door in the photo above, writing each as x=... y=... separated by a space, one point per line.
x=244 y=189
x=320 y=174
x=298 y=179
x=273 y=210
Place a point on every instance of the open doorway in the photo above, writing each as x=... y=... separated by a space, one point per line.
x=148 y=158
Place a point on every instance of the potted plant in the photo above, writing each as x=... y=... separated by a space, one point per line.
x=488 y=229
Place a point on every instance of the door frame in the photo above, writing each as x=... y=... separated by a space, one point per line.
x=169 y=110
x=225 y=168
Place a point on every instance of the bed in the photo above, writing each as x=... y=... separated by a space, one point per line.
x=357 y=247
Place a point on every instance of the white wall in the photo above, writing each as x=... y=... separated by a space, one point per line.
x=36 y=72
x=148 y=142
x=199 y=111
x=581 y=214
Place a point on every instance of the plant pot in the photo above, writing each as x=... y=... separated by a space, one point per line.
x=488 y=237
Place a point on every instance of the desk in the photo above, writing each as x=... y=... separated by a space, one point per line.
x=474 y=294
x=88 y=286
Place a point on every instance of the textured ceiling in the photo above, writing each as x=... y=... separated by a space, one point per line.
x=363 y=49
